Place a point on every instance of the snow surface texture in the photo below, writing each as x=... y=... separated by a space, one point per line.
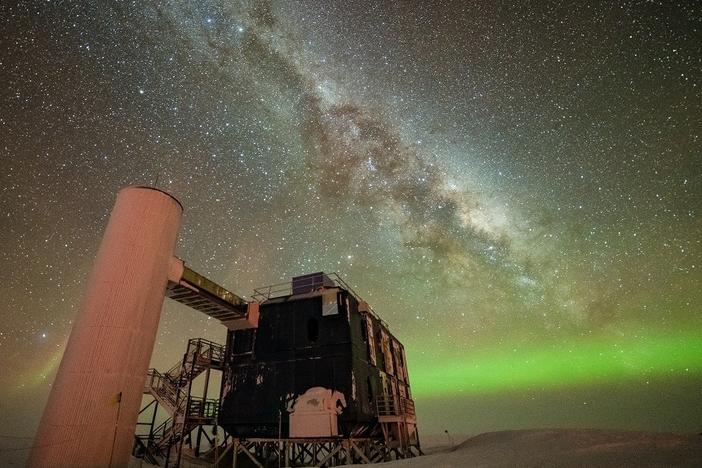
x=564 y=448
x=547 y=448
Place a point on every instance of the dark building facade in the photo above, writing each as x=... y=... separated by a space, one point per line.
x=320 y=364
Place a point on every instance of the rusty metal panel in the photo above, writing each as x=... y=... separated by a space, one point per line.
x=387 y=352
x=370 y=333
x=400 y=370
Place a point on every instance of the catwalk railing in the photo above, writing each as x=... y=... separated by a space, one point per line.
x=171 y=391
x=387 y=405
x=326 y=280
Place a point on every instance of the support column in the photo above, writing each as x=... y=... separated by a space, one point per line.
x=91 y=414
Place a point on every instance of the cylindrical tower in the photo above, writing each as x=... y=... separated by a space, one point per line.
x=91 y=414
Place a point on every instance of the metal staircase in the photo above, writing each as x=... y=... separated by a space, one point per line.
x=398 y=421
x=172 y=392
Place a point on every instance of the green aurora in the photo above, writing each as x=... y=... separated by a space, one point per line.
x=595 y=360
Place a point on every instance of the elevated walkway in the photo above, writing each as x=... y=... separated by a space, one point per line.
x=194 y=290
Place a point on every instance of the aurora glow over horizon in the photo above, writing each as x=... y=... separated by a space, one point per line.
x=555 y=365
x=516 y=190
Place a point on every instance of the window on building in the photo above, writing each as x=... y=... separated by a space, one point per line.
x=312 y=330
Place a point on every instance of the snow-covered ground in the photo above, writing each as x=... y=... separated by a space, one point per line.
x=560 y=448
x=549 y=448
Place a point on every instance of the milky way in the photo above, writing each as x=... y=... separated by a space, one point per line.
x=516 y=190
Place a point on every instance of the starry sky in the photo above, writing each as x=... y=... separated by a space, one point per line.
x=516 y=189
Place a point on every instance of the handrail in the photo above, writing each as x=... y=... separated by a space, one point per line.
x=286 y=289
x=388 y=405
x=172 y=390
x=200 y=352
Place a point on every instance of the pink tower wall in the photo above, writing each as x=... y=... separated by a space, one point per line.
x=91 y=414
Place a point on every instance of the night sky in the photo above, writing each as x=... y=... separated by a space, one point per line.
x=516 y=190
